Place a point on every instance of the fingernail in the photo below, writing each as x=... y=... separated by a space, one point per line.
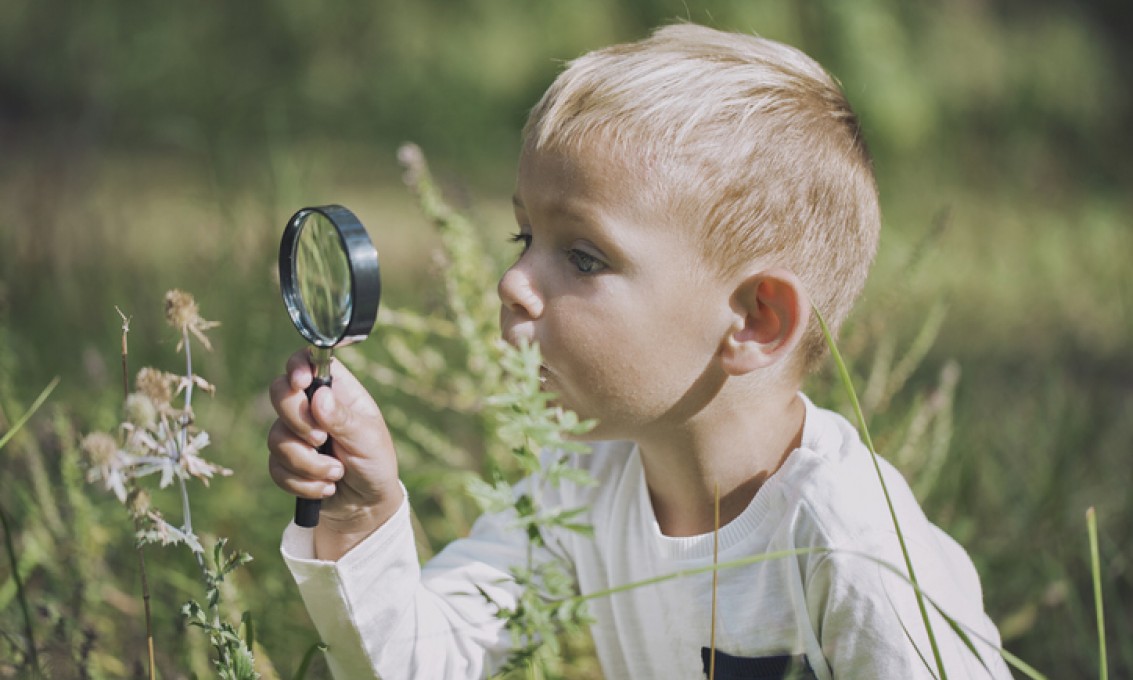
x=329 y=490
x=318 y=437
x=336 y=472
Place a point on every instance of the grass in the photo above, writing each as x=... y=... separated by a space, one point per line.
x=1041 y=421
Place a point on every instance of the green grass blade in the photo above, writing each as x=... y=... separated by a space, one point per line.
x=307 y=658
x=955 y=626
x=1021 y=666
x=968 y=632
x=917 y=649
x=844 y=375
x=21 y=594
x=249 y=630
x=1096 y=570
x=31 y=411
x=29 y=630
x=683 y=573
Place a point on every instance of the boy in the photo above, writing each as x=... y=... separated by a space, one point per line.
x=681 y=202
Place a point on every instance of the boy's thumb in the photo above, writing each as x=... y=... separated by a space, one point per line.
x=330 y=414
x=351 y=421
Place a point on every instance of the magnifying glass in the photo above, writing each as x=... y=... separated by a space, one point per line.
x=331 y=284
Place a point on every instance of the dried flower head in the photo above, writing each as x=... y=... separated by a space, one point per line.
x=194 y=465
x=157 y=385
x=140 y=410
x=99 y=448
x=107 y=462
x=181 y=312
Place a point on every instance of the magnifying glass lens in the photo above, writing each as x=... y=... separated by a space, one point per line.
x=322 y=273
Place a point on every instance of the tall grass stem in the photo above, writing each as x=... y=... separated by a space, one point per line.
x=137 y=522
x=715 y=582
x=21 y=595
x=183 y=443
x=1096 y=570
x=844 y=375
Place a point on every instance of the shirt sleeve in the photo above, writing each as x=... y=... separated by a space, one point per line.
x=870 y=625
x=382 y=615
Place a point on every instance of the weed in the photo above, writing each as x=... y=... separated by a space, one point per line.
x=157 y=438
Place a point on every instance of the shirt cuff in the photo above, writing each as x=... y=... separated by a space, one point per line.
x=298 y=545
x=341 y=597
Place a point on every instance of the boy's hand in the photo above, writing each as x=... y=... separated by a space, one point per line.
x=359 y=484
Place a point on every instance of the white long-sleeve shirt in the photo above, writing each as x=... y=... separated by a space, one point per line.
x=835 y=611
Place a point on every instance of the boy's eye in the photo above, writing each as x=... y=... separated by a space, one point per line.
x=523 y=238
x=584 y=262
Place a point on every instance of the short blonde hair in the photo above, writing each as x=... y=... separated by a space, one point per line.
x=745 y=136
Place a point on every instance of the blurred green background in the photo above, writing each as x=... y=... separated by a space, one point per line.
x=149 y=146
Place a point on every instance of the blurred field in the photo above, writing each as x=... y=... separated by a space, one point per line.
x=161 y=148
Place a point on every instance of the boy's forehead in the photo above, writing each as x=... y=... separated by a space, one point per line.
x=557 y=177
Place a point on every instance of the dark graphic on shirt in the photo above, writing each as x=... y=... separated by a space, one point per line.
x=730 y=667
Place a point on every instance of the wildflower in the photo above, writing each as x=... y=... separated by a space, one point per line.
x=181 y=312
x=192 y=463
x=183 y=382
x=157 y=530
x=157 y=386
x=107 y=462
x=140 y=410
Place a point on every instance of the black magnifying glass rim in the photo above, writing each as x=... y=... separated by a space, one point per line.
x=365 y=275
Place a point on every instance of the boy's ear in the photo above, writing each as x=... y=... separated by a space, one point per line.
x=771 y=314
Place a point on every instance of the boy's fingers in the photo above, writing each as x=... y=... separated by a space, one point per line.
x=294 y=410
x=301 y=458
x=297 y=486
x=298 y=369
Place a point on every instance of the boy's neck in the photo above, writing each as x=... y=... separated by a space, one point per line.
x=734 y=444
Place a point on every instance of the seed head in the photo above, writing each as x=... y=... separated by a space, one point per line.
x=182 y=313
x=140 y=410
x=100 y=448
x=157 y=386
x=180 y=309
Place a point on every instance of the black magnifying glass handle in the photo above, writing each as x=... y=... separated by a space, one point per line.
x=307 y=509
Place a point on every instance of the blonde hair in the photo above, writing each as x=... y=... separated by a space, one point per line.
x=745 y=136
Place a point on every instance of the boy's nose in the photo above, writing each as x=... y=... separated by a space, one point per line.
x=518 y=295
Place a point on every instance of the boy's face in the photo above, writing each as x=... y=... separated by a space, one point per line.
x=617 y=293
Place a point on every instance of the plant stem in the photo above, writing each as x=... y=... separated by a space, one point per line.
x=1095 y=564
x=183 y=434
x=182 y=443
x=21 y=594
x=33 y=655
x=146 y=603
x=844 y=374
x=125 y=353
x=715 y=584
x=137 y=522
